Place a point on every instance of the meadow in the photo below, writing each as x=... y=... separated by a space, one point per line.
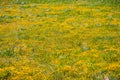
x=59 y=40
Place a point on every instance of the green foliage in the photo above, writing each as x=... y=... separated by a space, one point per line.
x=108 y=2
x=9 y=52
x=4 y=75
x=41 y=1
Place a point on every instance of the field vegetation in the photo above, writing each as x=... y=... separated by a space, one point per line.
x=59 y=39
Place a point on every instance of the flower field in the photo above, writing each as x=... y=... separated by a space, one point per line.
x=78 y=40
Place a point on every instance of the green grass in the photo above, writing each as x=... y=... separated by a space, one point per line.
x=104 y=2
